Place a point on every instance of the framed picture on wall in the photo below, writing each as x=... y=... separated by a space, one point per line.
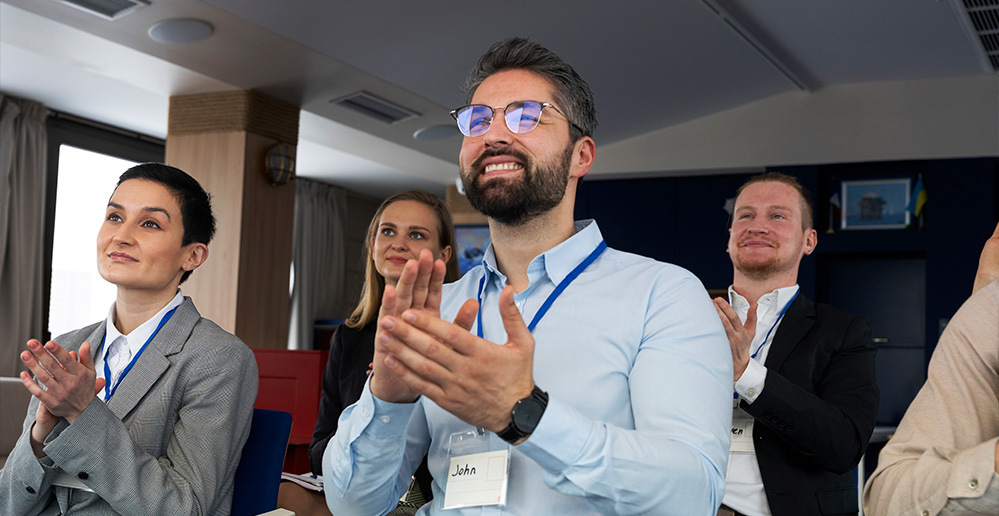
x=876 y=204
x=472 y=242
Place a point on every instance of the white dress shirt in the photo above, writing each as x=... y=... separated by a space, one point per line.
x=743 y=484
x=135 y=340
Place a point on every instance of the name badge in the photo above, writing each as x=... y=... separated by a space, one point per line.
x=477 y=479
x=742 y=436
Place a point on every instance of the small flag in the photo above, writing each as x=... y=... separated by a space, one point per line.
x=918 y=199
x=837 y=206
x=835 y=212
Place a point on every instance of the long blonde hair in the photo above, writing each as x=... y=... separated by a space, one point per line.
x=374 y=283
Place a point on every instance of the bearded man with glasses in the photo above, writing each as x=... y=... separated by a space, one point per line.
x=574 y=378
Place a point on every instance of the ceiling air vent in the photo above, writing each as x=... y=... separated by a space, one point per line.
x=374 y=107
x=981 y=21
x=107 y=9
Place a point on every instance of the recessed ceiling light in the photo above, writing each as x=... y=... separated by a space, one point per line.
x=436 y=132
x=181 y=31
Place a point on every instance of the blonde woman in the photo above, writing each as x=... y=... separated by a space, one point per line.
x=404 y=225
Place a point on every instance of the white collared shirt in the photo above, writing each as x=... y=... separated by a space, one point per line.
x=743 y=484
x=136 y=339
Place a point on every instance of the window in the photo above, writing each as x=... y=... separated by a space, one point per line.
x=78 y=295
x=84 y=163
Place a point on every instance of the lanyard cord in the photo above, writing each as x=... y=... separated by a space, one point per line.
x=779 y=317
x=108 y=390
x=551 y=297
x=735 y=395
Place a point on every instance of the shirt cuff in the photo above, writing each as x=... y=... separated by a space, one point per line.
x=973 y=471
x=560 y=438
x=751 y=383
x=385 y=419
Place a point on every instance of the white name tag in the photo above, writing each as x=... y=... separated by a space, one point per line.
x=742 y=436
x=477 y=479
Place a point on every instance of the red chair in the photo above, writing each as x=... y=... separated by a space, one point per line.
x=291 y=380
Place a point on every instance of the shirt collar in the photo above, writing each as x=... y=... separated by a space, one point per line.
x=556 y=262
x=769 y=304
x=138 y=337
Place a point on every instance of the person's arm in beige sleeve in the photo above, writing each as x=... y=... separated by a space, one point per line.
x=988 y=264
x=944 y=457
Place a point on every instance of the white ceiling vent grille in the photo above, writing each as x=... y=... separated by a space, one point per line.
x=107 y=9
x=983 y=22
x=374 y=107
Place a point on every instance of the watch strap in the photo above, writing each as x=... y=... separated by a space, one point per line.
x=513 y=433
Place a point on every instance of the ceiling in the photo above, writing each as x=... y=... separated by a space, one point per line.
x=652 y=66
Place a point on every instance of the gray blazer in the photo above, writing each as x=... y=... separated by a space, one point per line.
x=168 y=441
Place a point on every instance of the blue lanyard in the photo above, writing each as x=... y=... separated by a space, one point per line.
x=108 y=390
x=779 y=317
x=551 y=297
x=735 y=395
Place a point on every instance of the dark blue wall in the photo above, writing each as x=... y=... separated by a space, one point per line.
x=682 y=221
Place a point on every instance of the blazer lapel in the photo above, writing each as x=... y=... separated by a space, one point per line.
x=96 y=340
x=153 y=362
x=797 y=321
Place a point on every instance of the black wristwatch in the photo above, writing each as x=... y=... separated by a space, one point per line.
x=526 y=415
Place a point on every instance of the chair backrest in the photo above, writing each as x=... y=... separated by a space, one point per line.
x=291 y=380
x=259 y=473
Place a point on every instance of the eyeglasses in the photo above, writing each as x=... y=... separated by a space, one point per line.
x=521 y=116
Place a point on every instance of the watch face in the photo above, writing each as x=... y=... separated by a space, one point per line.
x=526 y=415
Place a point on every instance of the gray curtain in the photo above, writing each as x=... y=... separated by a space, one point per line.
x=318 y=258
x=22 y=227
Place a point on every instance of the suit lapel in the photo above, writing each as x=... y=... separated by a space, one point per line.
x=96 y=340
x=153 y=362
x=797 y=321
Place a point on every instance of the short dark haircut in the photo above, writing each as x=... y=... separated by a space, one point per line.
x=571 y=92
x=195 y=203
x=807 y=209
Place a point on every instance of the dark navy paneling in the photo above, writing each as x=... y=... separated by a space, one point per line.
x=635 y=215
x=702 y=227
x=888 y=291
x=680 y=220
x=900 y=376
x=961 y=215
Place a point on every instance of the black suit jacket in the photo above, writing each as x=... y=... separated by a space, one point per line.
x=816 y=413
x=351 y=350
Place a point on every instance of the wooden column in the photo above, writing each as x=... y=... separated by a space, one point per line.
x=462 y=211
x=222 y=139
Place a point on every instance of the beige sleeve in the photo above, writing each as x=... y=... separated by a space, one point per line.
x=944 y=449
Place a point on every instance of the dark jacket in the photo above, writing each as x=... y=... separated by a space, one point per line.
x=817 y=410
x=351 y=350
x=351 y=353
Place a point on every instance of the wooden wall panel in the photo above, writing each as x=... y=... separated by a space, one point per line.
x=265 y=252
x=216 y=161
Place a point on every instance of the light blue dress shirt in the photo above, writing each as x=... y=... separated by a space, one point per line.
x=639 y=374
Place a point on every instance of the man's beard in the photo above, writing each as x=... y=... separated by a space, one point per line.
x=514 y=201
x=758 y=270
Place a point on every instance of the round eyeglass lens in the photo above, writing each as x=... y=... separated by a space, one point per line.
x=474 y=120
x=523 y=116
